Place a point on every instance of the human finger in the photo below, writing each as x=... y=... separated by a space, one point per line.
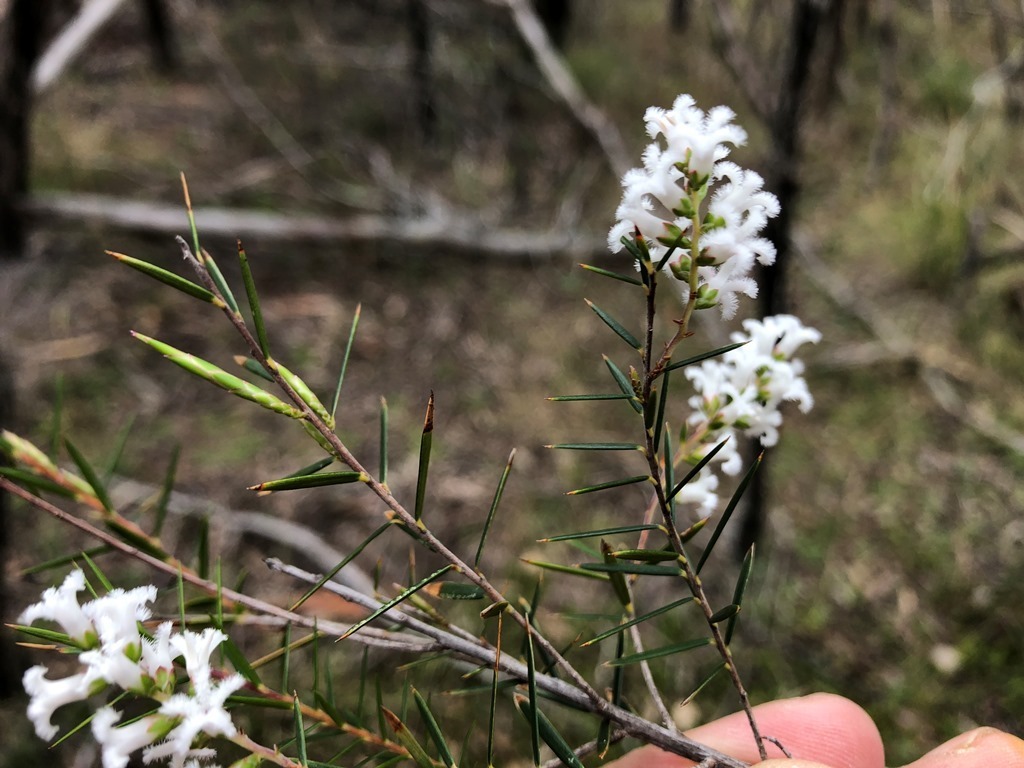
x=821 y=728
x=980 y=748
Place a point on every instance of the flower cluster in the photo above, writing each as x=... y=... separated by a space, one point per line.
x=741 y=391
x=116 y=653
x=711 y=248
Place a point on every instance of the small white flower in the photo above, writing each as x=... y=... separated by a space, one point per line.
x=203 y=712
x=60 y=604
x=700 y=492
x=118 y=744
x=47 y=696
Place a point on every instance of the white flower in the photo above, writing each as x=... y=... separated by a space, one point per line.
x=202 y=712
x=660 y=201
x=47 y=696
x=700 y=491
x=119 y=743
x=60 y=604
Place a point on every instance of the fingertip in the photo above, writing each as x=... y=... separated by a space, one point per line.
x=979 y=748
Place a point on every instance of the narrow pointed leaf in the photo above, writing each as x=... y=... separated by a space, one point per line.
x=611 y=484
x=454 y=590
x=631 y=568
x=168 y=278
x=345 y=561
x=101 y=577
x=253 y=367
x=406 y=738
x=33 y=481
x=220 y=377
x=494 y=610
x=546 y=731
x=738 y=591
x=424 y=464
x=604 y=733
x=494 y=507
x=728 y=612
x=300 y=732
x=659 y=420
x=616 y=326
x=733 y=502
x=115 y=457
x=572 y=570
x=705 y=356
x=60 y=562
x=494 y=689
x=574 y=398
x=533 y=715
x=613 y=275
x=254 y=300
x=430 y=722
x=623 y=381
x=303 y=390
x=166 y=489
x=617 y=578
x=618 y=629
x=344 y=360
x=603 y=532
x=696 y=469
x=203 y=548
x=657 y=653
x=286 y=656
x=597 y=446
x=404 y=595
x=703 y=684
x=327 y=705
x=645 y=555
x=312 y=469
x=89 y=475
x=318 y=480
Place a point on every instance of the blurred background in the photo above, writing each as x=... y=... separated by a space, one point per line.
x=447 y=163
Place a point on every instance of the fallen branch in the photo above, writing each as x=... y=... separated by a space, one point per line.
x=461 y=233
x=72 y=40
x=558 y=75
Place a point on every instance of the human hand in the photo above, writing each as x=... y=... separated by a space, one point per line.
x=827 y=731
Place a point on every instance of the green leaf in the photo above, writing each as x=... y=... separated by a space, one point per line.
x=611 y=484
x=703 y=684
x=307 y=395
x=733 y=502
x=616 y=326
x=166 y=489
x=433 y=730
x=300 y=732
x=406 y=738
x=624 y=384
x=318 y=480
x=494 y=507
x=632 y=568
x=35 y=482
x=168 y=278
x=613 y=275
x=424 y=463
x=617 y=578
x=645 y=555
x=604 y=733
x=494 y=610
x=603 y=532
x=572 y=570
x=638 y=620
x=254 y=300
x=49 y=635
x=728 y=612
x=101 y=577
x=597 y=446
x=221 y=378
x=533 y=715
x=494 y=687
x=704 y=356
x=116 y=456
x=540 y=725
x=312 y=469
x=739 y=589
x=254 y=368
x=455 y=590
x=659 y=420
x=89 y=475
x=344 y=360
x=405 y=594
x=574 y=398
x=696 y=469
x=657 y=653
x=60 y=562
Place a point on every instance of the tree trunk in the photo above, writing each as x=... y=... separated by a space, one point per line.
x=21 y=32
